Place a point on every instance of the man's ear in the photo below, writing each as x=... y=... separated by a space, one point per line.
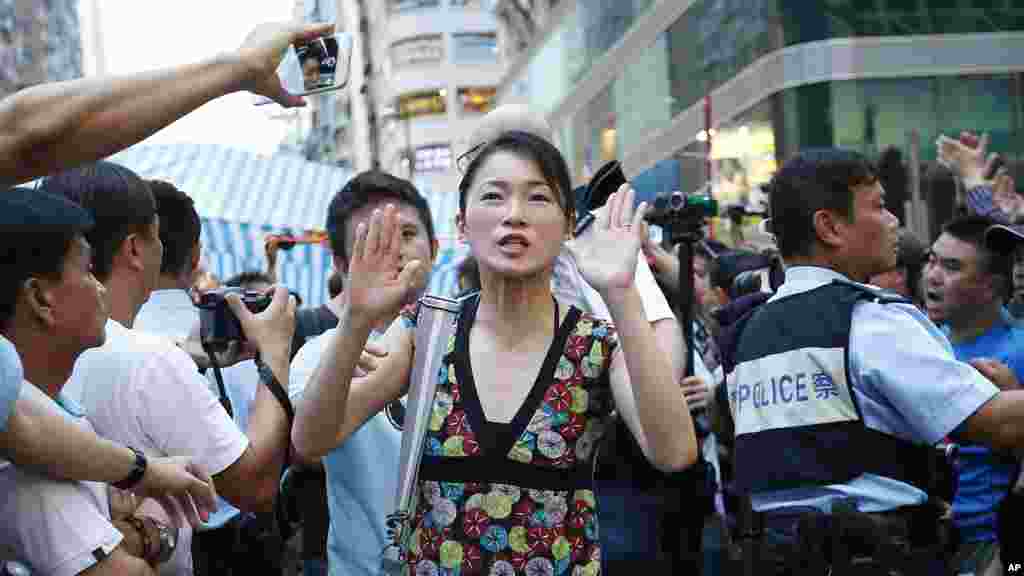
x=435 y=248
x=460 y=226
x=38 y=297
x=721 y=295
x=340 y=265
x=129 y=252
x=197 y=256
x=828 y=227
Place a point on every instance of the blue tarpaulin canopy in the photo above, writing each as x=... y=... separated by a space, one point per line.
x=241 y=197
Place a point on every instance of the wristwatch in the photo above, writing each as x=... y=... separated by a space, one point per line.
x=135 y=476
x=168 y=542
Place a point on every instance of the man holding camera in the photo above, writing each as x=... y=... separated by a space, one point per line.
x=58 y=125
x=146 y=392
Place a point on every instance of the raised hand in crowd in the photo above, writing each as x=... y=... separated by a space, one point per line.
x=607 y=260
x=966 y=157
x=378 y=285
x=55 y=126
x=1005 y=196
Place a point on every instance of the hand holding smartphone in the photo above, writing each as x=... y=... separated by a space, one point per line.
x=321 y=65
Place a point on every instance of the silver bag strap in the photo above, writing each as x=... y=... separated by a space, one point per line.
x=435 y=324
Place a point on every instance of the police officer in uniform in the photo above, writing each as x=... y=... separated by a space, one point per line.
x=839 y=389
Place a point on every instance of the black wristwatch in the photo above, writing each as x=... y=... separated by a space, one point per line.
x=168 y=542
x=135 y=476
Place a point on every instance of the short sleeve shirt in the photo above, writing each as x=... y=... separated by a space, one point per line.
x=362 y=477
x=56 y=528
x=11 y=375
x=141 y=390
x=907 y=382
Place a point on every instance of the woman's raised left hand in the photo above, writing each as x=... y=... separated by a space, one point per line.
x=607 y=256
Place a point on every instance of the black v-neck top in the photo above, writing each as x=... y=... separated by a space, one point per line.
x=499 y=437
x=514 y=498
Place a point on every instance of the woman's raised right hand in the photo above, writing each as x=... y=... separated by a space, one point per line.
x=378 y=284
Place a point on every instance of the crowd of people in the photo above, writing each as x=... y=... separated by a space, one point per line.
x=852 y=404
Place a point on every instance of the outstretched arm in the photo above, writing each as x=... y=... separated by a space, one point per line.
x=55 y=126
x=39 y=437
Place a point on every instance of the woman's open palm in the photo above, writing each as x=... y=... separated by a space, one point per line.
x=378 y=284
x=607 y=257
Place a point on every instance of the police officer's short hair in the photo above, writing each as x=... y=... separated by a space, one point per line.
x=118 y=200
x=36 y=232
x=815 y=179
x=971 y=229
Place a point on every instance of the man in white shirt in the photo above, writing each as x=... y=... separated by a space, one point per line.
x=51 y=309
x=57 y=125
x=141 y=389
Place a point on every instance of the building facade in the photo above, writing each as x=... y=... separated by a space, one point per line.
x=435 y=71
x=40 y=41
x=688 y=93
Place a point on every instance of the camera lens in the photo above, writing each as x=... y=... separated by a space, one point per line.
x=677 y=200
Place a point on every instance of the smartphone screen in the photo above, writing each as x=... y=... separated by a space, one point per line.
x=319 y=66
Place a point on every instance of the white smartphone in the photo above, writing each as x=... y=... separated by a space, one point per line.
x=319 y=66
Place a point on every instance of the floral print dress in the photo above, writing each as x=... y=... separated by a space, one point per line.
x=517 y=498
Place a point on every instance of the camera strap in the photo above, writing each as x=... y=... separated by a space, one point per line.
x=271 y=382
x=219 y=378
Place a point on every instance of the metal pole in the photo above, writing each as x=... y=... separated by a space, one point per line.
x=707 y=144
x=919 y=215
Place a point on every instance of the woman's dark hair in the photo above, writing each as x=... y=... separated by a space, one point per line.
x=538 y=150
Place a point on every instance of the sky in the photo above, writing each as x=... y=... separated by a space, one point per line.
x=147 y=35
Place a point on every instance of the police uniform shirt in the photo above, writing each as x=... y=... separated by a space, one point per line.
x=907 y=382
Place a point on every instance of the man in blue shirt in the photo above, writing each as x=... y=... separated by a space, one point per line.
x=362 y=471
x=966 y=283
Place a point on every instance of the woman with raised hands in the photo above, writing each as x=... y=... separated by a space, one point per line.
x=527 y=383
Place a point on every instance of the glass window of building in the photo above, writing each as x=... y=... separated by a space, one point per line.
x=409 y=5
x=433 y=158
x=475 y=47
x=428 y=49
x=472 y=4
x=422 y=103
x=477 y=100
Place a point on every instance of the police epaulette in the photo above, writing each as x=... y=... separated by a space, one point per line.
x=874 y=294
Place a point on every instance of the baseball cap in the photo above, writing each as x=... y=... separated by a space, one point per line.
x=1004 y=237
x=729 y=265
x=27 y=212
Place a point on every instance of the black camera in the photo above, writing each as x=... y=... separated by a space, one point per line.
x=685 y=211
x=218 y=325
